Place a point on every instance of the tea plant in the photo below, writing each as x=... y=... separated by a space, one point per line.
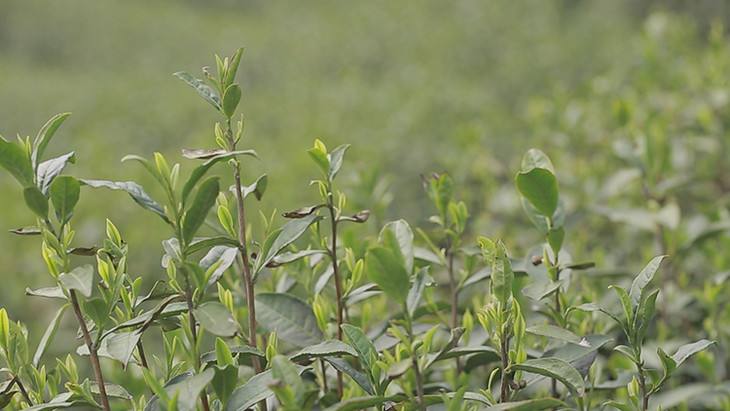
x=241 y=318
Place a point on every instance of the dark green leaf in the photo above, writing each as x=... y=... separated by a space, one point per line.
x=291 y=318
x=279 y=239
x=335 y=160
x=15 y=160
x=216 y=319
x=324 y=349
x=557 y=369
x=198 y=211
x=65 y=191
x=231 y=97
x=386 y=270
x=361 y=343
x=80 y=279
x=36 y=201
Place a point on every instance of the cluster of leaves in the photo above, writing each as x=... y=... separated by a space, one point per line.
x=310 y=314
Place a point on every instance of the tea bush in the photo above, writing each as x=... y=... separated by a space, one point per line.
x=316 y=312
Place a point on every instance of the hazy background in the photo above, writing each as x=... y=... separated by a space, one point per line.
x=415 y=87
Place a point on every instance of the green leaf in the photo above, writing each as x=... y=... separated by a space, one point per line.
x=134 y=190
x=386 y=270
x=219 y=259
x=291 y=318
x=200 y=244
x=286 y=372
x=344 y=367
x=187 y=388
x=48 y=170
x=644 y=278
x=537 y=183
x=198 y=211
x=215 y=318
x=48 y=335
x=281 y=238
x=230 y=75
x=47 y=292
x=36 y=201
x=366 y=351
x=14 y=159
x=80 y=279
x=552 y=331
x=224 y=381
x=212 y=157
x=204 y=90
x=335 y=160
x=527 y=405
x=230 y=100
x=324 y=349
x=241 y=351
x=254 y=390
x=625 y=304
x=557 y=369
x=495 y=254
x=117 y=346
x=65 y=191
x=45 y=134
x=258 y=187
x=420 y=281
x=398 y=237
x=688 y=350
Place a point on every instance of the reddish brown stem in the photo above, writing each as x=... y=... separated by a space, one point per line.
x=95 y=365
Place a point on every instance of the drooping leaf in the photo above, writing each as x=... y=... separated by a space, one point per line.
x=324 y=349
x=204 y=90
x=215 y=318
x=31 y=230
x=552 y=331
x=48 y=292
x=258 y=187
x=537 y=404
x=134 y=190
x=64 y=191
x=291 y=318
x=198 y=211
x=48 y=170
x=557 y=369
x=80 y=279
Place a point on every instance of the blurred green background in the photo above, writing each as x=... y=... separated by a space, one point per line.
x=464 y=87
